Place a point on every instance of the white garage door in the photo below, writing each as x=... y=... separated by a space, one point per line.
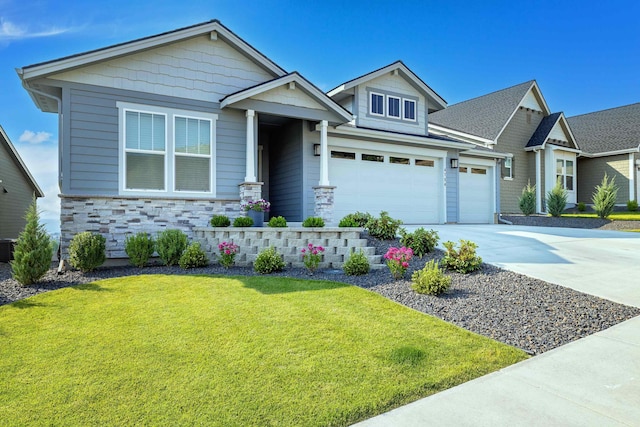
x=408 y=187
x=476 y=195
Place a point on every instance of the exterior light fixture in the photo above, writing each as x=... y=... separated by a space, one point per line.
x=316 y=150
x=454 y=163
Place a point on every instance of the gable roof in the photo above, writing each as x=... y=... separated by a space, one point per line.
x=342 y=115
x=607 y=131
x=540 y=136
x=486 y=116
x=411 y=77
x=4 y=140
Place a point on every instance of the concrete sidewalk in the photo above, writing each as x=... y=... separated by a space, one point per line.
x=594 y=381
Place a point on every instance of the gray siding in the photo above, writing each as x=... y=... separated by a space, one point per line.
x=591 y=171
x=285 y=174
x=13 y=203
x=513 y=140
x=90 y=152
x=453 y=193
x=311 y=170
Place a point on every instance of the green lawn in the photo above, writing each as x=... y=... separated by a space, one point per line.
x=615 y=216
x=228 y=351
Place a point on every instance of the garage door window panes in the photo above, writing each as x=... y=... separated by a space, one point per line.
x=462 y=169
x=373 y=158
x=399 y=160
x=479 y=171
x=423 y=162
x=343 y=155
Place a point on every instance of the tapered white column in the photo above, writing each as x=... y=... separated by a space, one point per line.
x=538 y=183
x=251 y=148
x=324 y=154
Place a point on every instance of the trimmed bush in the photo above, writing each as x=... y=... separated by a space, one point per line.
x=33 y=251
x=527 y=201
x=557 y=199
x=463 y=260
x=243 y=221
x=604 y=198
x=170 y=245
x=357 y=219
x=384 y=227
x=278 y=221
x=268 y=261
x=193 y=257
x=357 y=264
x=420 y=241
x=632 y=206
x=87 y=251
x=313 y=221
x=582 y=207
x=139 y=248
x=431 y=280
x=220 y=221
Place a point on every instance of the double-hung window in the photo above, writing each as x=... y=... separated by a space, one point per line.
x=166 y=151
x=565 y=173
x=508 y=168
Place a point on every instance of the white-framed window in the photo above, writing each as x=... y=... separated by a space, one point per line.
x=565 y=173
x=393 y=106
x=166 y=151
x=508 y=168
x=377 y=104
x=409 y=109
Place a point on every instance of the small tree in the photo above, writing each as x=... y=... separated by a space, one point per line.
x=557 y=199
x=604 y=198
x=527 y=201
x=33 y=251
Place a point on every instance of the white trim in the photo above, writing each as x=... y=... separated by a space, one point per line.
x=388 y=99
x=351 y=131
x=415 y=110
x=441 y=130
x=510 y=168
x=538 y=182
x=384 y=106
x=611 y=153
x=544 y=105
x=169 y=152
x=632 y=183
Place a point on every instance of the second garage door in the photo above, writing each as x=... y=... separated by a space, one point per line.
x=408 y=187
x=476 y=194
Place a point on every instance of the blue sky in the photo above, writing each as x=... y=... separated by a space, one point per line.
x=585 y=55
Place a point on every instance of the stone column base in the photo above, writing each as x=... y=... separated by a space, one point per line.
x=324 y=202
x=250 y=191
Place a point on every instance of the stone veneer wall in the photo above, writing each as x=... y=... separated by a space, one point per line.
x=117 y=217
x=288 y=241
x=324 y=196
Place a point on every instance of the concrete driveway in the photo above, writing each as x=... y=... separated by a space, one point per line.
x=594 y=381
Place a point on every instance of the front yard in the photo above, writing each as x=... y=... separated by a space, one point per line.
x=178 y=350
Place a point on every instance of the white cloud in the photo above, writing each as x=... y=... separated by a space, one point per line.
x=11 y=31
x=34 y=137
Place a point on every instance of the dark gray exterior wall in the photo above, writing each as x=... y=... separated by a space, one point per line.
x=285 y=174
x=90 y=141
x=13 y=203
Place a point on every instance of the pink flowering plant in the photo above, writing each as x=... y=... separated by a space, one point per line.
x=228 y=251
x=311 y=256
x=398 y=261
x=260 y=205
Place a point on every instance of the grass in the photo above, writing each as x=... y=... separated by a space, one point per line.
x=615 y=216
x=184 y=350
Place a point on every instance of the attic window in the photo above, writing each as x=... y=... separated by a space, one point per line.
x=394 y=106
x=377 y=104
x=409 y=109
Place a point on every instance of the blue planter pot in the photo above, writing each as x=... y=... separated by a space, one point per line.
x=257 y=217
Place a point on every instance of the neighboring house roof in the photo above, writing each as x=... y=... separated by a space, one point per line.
x=436 y=100
x=486 y=116
x=297 y=80
x=545 y=128
x=4 y=139
x=612 y=131
x=213 y=27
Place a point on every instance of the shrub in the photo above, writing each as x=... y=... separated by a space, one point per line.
x=604 y=198
x=87 y=251
x=139 y=248
x=527 y=201
x=556 y=199
x=398 y=261
x=632 y=206
x=356 y=265
x=463 y=260
x=358 y=219
x=384 y=227
x=228 y=251
x=311 y=256
x=170 y=245
x=313 y=221
x=220 y=221
x=268 y=261
x=193 y=257
x=430 y=280
x=33 y=250
x=243 y=221
x=420 y=241
x=582 y=207
x=278 y=221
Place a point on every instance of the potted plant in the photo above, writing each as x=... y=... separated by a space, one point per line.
x=255 y=210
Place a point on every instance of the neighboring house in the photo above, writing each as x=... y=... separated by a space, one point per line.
x=167 y=130
x=517 y=121
x=610 y=141
x=17 y=188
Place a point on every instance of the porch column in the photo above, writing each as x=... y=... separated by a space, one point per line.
x=324 y=155
x=538 y=183
x=251 y=148
x=632 y=182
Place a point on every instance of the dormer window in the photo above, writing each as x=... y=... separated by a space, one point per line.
x=409 y=109
x=394 y=106
x=377 y=104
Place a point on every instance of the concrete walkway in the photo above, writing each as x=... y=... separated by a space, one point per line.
x=594 y=381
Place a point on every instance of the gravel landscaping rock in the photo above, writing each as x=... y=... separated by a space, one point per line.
x=567 y=222
x=509 y=307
